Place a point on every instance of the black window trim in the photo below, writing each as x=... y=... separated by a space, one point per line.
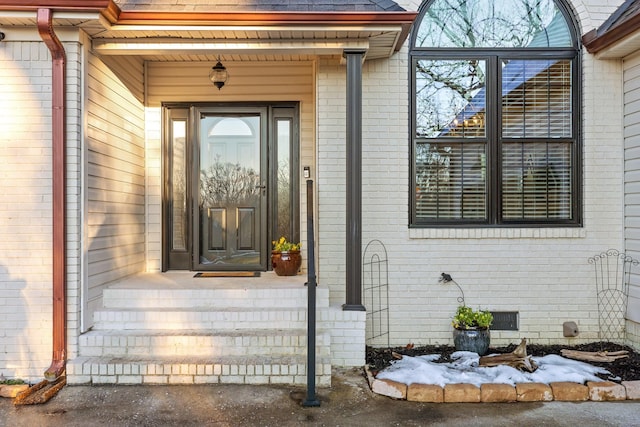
x=493 y=56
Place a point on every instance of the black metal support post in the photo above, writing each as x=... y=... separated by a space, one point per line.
x=311 y=399
x=354 y=181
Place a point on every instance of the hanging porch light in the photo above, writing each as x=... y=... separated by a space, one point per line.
x=218 y=75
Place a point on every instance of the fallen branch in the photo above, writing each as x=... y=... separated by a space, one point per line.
x=595 y=356
x=516 y=359
x=40 y=393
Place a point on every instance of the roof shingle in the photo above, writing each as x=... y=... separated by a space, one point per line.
x=625 y=12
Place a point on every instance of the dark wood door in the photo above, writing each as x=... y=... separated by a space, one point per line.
x=231 y=191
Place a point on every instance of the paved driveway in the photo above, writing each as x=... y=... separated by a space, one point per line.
x=348 y=403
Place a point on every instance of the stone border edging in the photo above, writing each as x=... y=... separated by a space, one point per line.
x=605 y=391
x=12 y=390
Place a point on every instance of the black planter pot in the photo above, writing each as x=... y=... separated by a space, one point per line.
x=475 y=340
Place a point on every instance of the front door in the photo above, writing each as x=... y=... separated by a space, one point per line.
x=232 y=189
x=230 y=186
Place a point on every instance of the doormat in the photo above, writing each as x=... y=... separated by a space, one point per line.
x=228 y=274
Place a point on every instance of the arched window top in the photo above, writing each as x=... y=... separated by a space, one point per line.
x=233 y=126
x=493 y=24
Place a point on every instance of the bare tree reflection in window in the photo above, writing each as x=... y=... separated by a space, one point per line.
x=226 y=183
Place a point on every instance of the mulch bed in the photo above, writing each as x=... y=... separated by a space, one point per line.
x=626 y=369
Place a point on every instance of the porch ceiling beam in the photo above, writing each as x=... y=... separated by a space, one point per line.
x=167 y=46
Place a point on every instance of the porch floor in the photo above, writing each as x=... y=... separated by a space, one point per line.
x=187 y=280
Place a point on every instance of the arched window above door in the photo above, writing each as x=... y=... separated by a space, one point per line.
x=233 y=126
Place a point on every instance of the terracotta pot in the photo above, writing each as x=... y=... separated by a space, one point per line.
x=476 y=340
x=286 y=263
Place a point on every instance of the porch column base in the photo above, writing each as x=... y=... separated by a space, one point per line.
x=353 y=307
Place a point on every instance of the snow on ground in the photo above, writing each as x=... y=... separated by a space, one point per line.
x=465 y=369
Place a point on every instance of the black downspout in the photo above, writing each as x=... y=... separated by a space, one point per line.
x=354 y=181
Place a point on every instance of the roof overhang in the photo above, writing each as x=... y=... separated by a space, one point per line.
x=106 y=8
x=165 y=35
x=616 y=42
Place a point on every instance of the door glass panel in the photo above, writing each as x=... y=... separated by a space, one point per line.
x=178 y=186
x=230 y=191
x=283 y=135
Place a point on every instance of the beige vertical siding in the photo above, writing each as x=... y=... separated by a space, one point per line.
x=115 y=162
x=632 y=175
x=248 y=82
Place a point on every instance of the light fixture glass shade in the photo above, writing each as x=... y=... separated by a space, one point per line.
x=218 y=75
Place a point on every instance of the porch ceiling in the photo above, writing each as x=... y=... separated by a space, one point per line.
x=203 y=36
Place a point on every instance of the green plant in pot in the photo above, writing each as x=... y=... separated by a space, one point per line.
x=471 y=329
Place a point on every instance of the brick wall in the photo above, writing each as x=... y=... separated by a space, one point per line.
x=541 y=273
x=633 y=334
x=347 y=330
x=330 y=223
x=74 y=174
x=26 y=210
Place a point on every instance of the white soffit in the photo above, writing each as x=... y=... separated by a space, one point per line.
x=624 y=47
x=169 y=46
x=379 y=40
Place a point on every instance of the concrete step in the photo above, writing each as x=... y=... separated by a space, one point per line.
x=196 y=370
x=202 y=318
x=217 y=298
x=200 y=343
x=172 y=328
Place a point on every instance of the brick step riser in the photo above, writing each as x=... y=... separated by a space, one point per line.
x=202 y=320
x=96 y=345
x=200 y=352
x=199 y=325
x=96 y=371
